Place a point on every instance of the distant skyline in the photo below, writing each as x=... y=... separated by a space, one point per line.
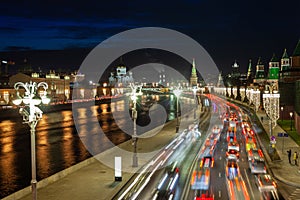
x=228 y=30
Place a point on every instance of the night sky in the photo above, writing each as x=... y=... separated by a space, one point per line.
x=60 y=34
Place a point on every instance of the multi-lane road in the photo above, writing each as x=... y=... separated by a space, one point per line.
x=196 y=167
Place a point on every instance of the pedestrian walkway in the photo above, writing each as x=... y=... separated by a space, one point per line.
x=96 y=180
x=282 y=170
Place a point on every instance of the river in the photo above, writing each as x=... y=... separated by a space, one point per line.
x=58 y=145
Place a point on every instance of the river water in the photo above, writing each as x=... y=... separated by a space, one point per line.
x=58 y=145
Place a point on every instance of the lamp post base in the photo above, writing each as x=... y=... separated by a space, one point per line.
x=177 y=128
x=135 y=160
x=33 y=189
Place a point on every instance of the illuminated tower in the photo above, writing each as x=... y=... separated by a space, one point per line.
x=295 y=58
x=249 y=73
x=285 y=65
x=273 y=69
x=273 y=74
x=260 y=72
x=194 y=77
x=220 y=80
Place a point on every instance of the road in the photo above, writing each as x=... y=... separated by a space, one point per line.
x=191 y=177
x=150 y=179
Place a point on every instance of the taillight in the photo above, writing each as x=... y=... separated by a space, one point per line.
x=201 y=163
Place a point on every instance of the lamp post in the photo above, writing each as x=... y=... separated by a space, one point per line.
x=31 y=115
x=256 y=99
x=177 y=93
x=134 y=96
x=271 y=105
x=281 y=108
x=291 y=116
x=196 y=104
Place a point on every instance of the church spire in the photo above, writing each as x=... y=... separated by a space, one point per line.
x=249 y=73
x=194 y=72
x=194 y=77
x=220 y=80
x=285 y=55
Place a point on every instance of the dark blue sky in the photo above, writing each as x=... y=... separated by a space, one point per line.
x=228 y=30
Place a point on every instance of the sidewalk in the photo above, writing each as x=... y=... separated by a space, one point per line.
x=282 y=170
x=96 y=180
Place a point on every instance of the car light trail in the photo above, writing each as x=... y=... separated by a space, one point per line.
x=174 y=181
x=167 y=157
x=154 y=161
x=146 y=181
x=171 y=143
x=178 y=144
x=134 y=182
x=162 y=182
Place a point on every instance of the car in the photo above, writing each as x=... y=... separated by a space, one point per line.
x=231 y=136
x=232 y=154
x=257 y=166
x=210 y=141
x=201 y=180
x=216 y=130
x=232 y=169
x=167 y=185
x=232 y=126
x=247 y=132
x=207 y=162
x=265 y=182
x=244 y=124
x=216 y=133
x=250 y=143
x=270 y=195
x=234 y=146
x=255 y=154
x=203 y=195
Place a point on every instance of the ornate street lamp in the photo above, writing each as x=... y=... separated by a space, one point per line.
x=256 y=99
x=31 y=115
x=134 y=96
x=291 y=116
x=250 y=97
x=177 y=93
x=271 y=105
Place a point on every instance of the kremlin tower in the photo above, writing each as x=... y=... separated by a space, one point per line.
x=194 y=77
x=260 y=72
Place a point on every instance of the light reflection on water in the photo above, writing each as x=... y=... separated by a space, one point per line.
x=58 y=145
x=7 y=161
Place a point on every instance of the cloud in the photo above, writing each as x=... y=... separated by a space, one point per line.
x=17 y=48
x=227 y=29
